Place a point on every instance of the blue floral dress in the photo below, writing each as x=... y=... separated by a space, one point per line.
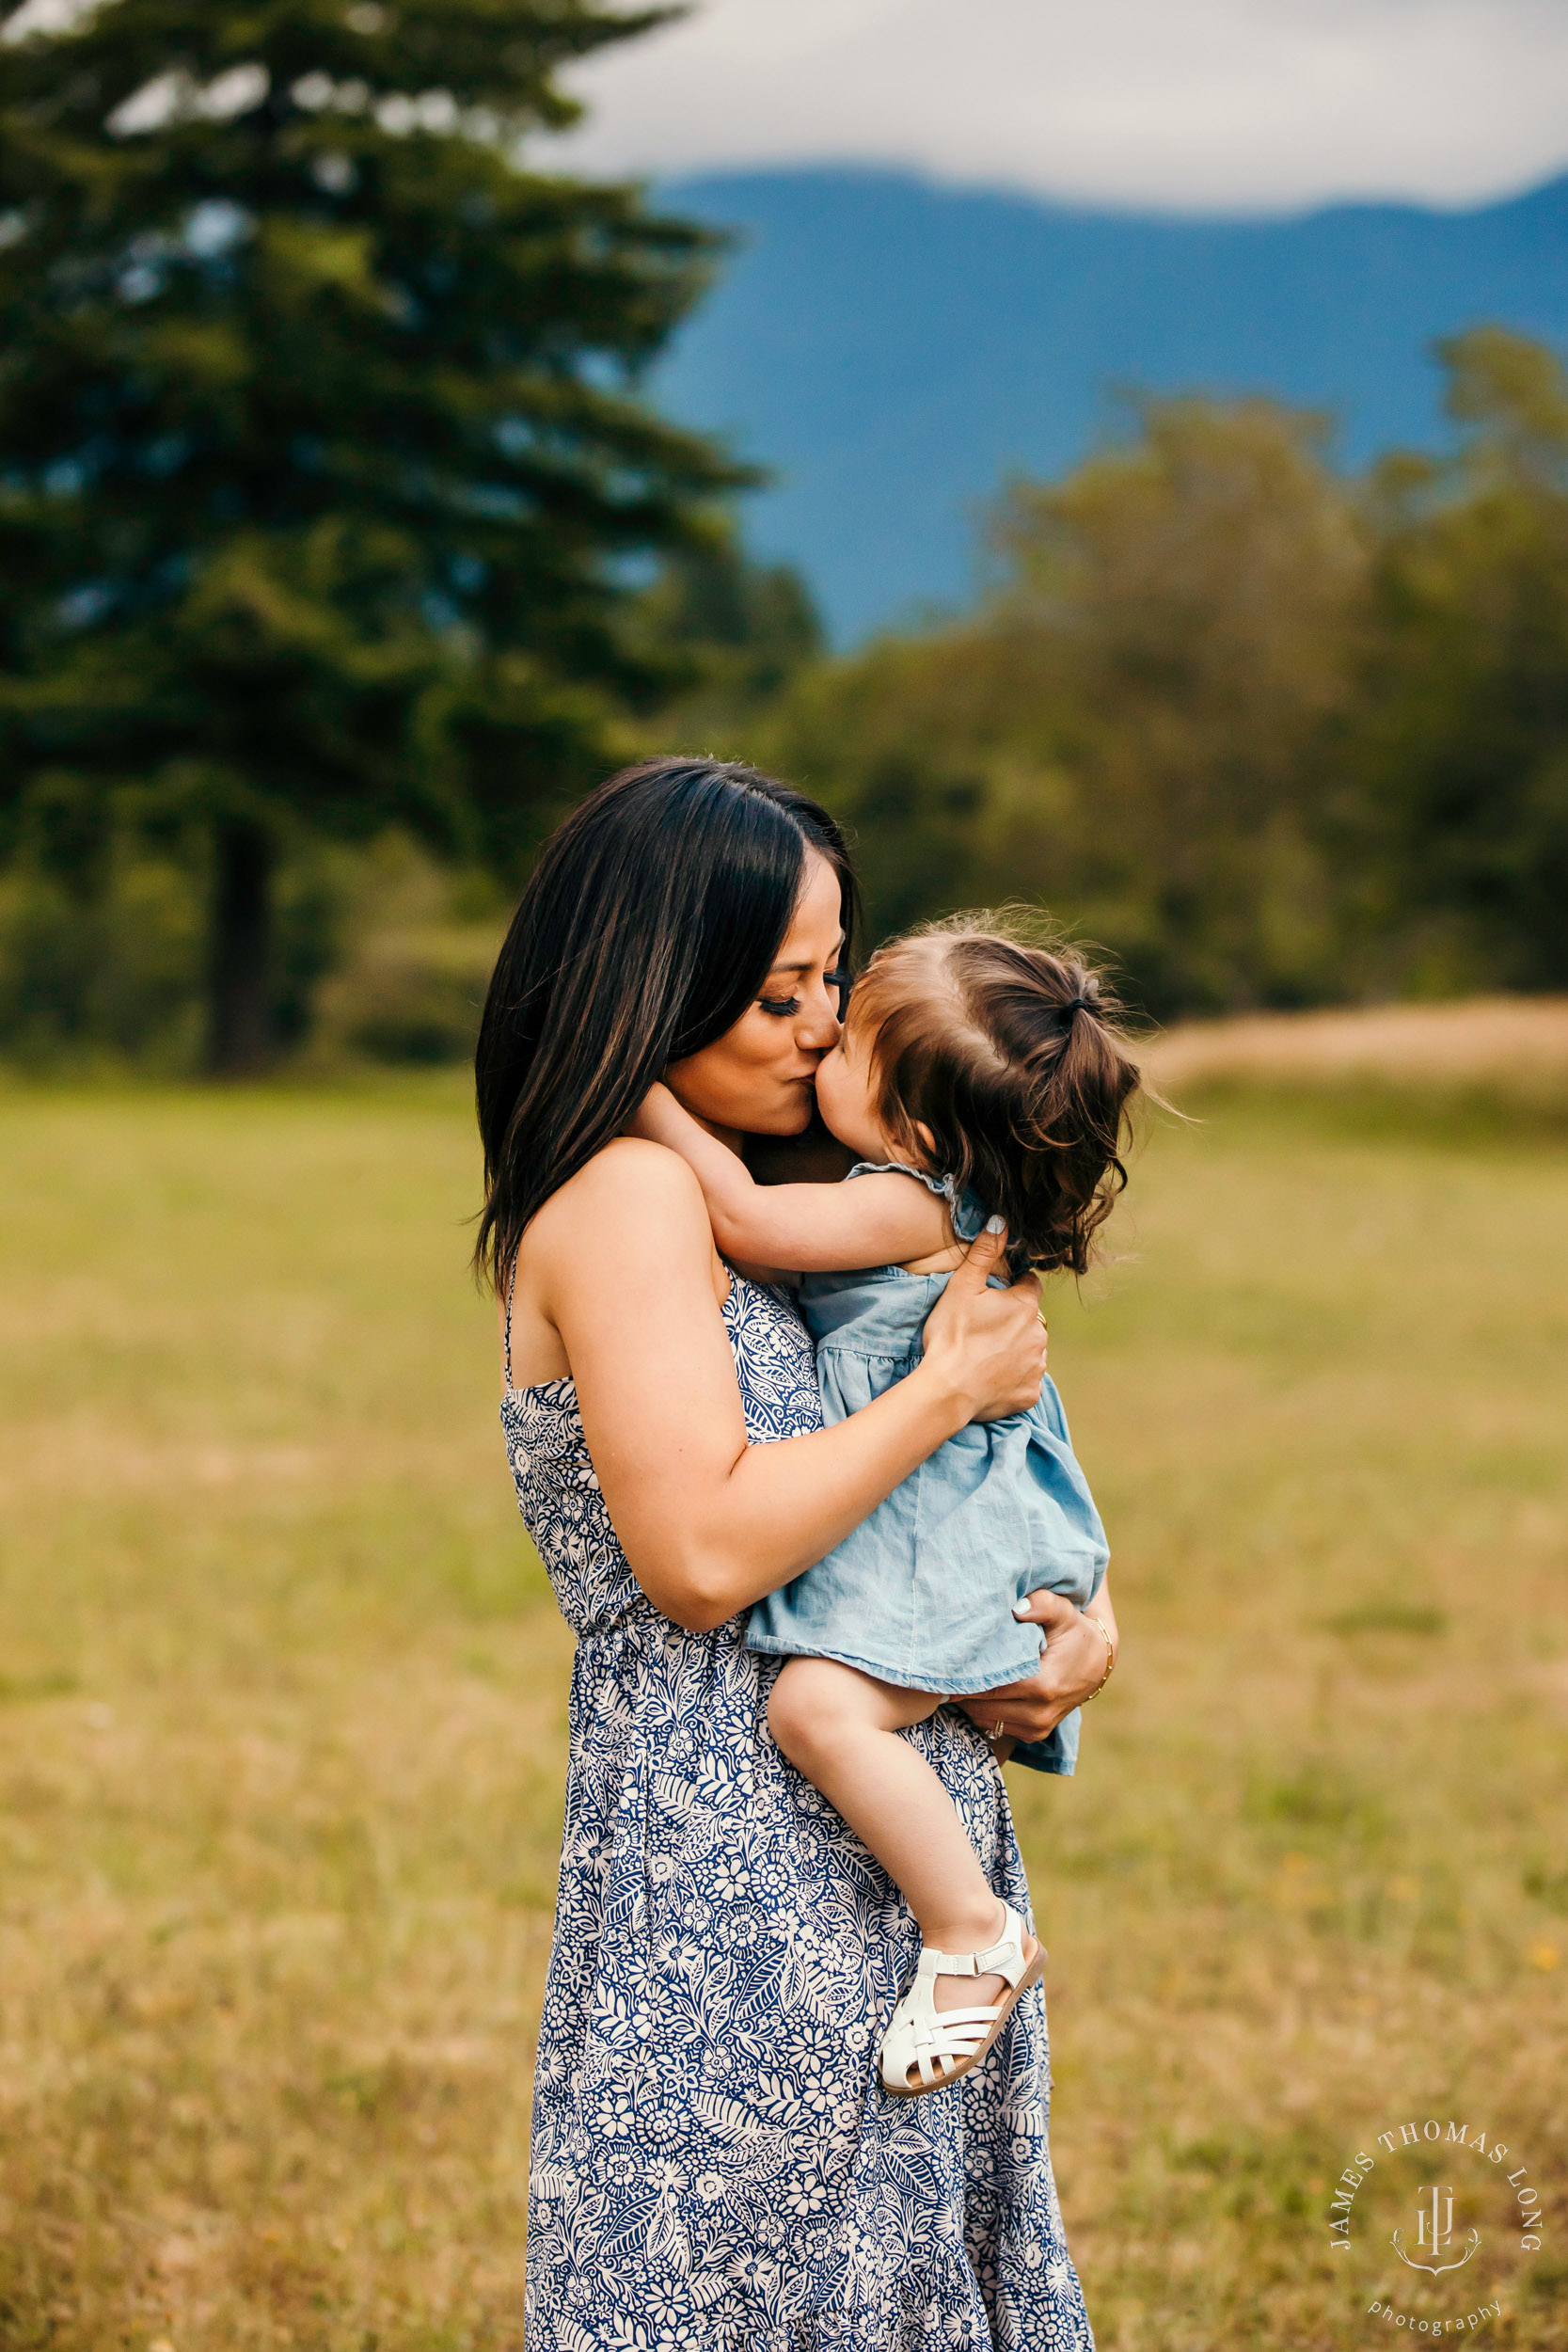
x=714 y=2167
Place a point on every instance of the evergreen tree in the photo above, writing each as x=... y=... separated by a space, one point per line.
x=322 y=460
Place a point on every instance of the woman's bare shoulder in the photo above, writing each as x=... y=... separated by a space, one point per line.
x=630 y=1194
x=632 y=1216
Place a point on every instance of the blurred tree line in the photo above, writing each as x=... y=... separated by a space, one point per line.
x=1273 y=736
x=340 y=552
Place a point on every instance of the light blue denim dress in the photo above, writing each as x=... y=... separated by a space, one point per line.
x=921 y=1594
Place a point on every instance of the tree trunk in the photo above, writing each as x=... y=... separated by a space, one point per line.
x=239 y=950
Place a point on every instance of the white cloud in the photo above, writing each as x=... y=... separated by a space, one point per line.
x=1205 y=104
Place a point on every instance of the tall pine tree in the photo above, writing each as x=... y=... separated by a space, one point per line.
x=323 y=468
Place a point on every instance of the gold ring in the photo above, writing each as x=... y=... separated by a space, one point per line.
x=1041 y=1321
x=997 y=1733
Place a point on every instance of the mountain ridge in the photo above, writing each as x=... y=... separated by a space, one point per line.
x=893 y=347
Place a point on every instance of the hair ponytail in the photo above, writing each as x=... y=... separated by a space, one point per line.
x=1008 y=1054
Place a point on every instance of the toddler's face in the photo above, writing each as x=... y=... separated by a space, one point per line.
x=845 y=1092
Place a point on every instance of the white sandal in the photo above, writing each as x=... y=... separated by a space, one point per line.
x=940 y=2044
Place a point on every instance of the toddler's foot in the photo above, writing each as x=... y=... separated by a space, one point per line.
x=971 y=1992
x=957 y=2006
x=966 y=1992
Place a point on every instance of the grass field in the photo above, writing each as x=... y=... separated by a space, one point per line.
x=282 y=1707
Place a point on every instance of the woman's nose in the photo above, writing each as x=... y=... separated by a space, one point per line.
x=817 y=1029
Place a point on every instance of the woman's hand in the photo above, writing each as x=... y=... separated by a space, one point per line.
x=986 y=1346
x=1071 y=1671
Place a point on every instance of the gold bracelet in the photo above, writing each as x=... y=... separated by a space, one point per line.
x=1110 y=1657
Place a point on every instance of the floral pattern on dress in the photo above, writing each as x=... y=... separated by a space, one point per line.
x=715 y=2166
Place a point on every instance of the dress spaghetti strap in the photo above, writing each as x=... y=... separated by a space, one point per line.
x=511 y=1286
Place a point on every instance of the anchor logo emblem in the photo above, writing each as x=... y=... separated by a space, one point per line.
x=1434 y=2234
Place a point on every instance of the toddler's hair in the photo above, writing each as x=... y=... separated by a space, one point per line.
x=1007 y=1052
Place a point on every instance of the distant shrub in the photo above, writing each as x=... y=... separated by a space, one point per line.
x=115 y=973
x=409 y=1012
x=1549 y=1887
x=1318 y=1798
x=417 y=945
x=1389 y=1617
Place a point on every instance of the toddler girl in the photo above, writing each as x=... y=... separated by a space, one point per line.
x=978 y=1079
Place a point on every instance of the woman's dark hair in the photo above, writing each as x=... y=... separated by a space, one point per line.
x=1008 y=1054
x=649 y=924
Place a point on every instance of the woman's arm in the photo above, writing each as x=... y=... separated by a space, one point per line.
x=812 y=1228
x=621 y=1261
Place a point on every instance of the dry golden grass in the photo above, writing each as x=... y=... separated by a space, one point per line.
x=1512 y=1046
x=282 y=1707
x=279 y=1769
x=1313 y=1877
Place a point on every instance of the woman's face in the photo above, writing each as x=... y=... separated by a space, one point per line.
x=758 y=1078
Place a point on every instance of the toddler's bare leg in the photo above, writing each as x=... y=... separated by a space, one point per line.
x=838 y=1728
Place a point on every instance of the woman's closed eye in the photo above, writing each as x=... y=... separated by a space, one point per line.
x=836 y=982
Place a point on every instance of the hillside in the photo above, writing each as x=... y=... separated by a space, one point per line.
x=893 y=347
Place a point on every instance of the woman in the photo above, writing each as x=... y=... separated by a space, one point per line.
x=713 y=2165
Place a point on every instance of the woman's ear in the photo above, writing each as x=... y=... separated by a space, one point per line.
x=925 y=1140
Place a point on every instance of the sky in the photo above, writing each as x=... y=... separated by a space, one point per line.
x=1193 y=105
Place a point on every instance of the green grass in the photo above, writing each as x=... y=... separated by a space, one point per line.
x=282 y=1709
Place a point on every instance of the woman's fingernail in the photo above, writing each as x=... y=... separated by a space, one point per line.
x=1020 y=1609
x=994 y=1224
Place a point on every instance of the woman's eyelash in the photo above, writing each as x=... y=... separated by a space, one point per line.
x=784 y=1007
